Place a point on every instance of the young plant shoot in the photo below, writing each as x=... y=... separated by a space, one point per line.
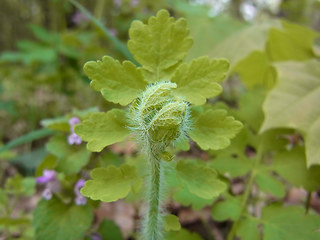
x=167 y=106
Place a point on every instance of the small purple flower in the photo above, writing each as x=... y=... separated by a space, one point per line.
x=134 y=3
x=48 y=176
x=117 y=3
x=79 y=200
x=73 y=138
x=52 y=185
x=47 y=194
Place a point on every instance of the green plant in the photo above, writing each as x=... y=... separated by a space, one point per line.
x=161 y=92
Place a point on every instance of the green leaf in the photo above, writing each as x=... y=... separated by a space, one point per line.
x=292 y=42
x=256 y=70
x=6 y=221
x=183 y=234
x=49 y=162
x=248 y=229
x=171 y=223
x=291 y=165
x=199 y=179
x=118 y=83
x=20 y=185
x=270 y=184
x=29 y=137
x=111 y=183
x=199 y=79
x=103 y=129
x=184 y=197
x=242 y=43
x=291 y=104
x=54 y=220
x=234 y=166
x=70 y=158
x=289 y=223
x=109 y=230
x=227 y=209
x=160 y=44
x=213 y=129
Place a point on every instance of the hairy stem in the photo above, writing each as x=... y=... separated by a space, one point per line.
x=153 y=219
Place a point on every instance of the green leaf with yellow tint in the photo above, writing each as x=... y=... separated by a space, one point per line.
x=103 y=129
x=118 y=83
x=111 y=183
x=199 y=79
x=160 y=44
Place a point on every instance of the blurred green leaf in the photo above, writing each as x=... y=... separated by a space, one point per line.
x=109 y=230
x=171 y=223
x=227 y=209
x=54 y=220
x=183 y=234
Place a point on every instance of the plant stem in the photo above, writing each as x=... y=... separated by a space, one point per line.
x=153 y=220
x=246 y=195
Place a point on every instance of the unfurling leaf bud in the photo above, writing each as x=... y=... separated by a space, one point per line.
x=159 y=117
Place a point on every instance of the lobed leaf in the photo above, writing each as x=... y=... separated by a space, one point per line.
x=54 y=219
x=160 y=44
x=213 y=129
x=171 y=223
x=103 y=129
x=111 y=183
x=199 y=179
x=199 y=79
x=118 y=83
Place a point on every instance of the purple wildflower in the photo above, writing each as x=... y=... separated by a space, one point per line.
x=48 y=176
x=52 y=185
x=73 y=138
x=79 y=200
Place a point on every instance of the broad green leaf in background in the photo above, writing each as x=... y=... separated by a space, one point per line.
x=152 y=44
x=292 y=42
x=199 y=79
x=227 y=209
x=183 y=234
x=21 y=185
x=234 y=166
x=111 y=183
x=270 y=184
x=70 y=158
x=293 y=104
x=199 y=178
x=242 y=43
x=291 y=165
x=248 y=229
x=256 y=70
x=289 y=223
x=213 y=129
x=54 y=220
x=184 y=197
x=49 y=162
x=171 y=223
x=109 y=230
x=103 y=129
x=118 y=83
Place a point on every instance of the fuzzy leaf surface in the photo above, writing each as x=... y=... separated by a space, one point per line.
x=111 y=183
x=199 y=79
x=160 y=44
x=213 y=129
x=292 y=104
x=54 y=220
x=200 y=179
x=289 y=223
x=103 y=129
x=118 y=83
